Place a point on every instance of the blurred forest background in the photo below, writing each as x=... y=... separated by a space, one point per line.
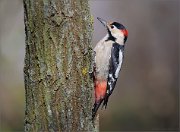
x=147 y=93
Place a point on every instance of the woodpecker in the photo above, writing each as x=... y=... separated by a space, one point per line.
x=109 y=54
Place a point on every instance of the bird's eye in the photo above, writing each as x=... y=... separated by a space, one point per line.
x=112 y=26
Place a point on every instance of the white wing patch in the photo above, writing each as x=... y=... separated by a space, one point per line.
x=120 y=63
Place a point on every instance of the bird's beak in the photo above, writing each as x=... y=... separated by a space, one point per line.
x=102 y=21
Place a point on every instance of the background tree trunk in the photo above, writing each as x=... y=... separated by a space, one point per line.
x=57 y=64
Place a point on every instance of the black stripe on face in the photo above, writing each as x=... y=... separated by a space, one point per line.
x=110 y=36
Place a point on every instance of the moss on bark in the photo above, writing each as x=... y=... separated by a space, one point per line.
x=57 y=64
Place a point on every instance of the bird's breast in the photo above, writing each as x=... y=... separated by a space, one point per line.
x=103 y=54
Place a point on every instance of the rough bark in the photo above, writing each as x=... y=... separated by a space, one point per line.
x=57 y=64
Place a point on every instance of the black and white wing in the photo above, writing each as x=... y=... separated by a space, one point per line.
x=114 y=69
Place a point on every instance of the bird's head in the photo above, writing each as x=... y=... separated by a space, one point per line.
x=116 y=31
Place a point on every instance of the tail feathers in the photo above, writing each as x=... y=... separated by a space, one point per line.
x=105 y=101
x=107 y=95
x=97 y=105
x=95 y=108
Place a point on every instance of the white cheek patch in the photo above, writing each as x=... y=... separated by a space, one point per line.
x=118 y=35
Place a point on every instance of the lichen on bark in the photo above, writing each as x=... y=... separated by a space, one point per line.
x=57 y=64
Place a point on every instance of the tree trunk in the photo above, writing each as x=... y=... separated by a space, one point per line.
x=57 y=64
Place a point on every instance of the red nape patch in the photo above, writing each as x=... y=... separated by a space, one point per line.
x=100 y=89
x=125 y=32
